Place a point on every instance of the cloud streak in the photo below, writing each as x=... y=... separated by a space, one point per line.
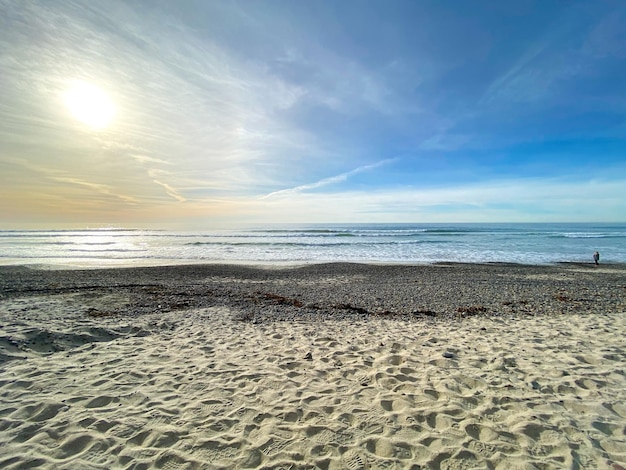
x=171 y=191
x=328 y=181
x=99 y=188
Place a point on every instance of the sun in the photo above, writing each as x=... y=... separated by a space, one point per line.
x=90 y=105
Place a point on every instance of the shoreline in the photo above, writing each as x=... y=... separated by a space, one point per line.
x=324 y=290
x=321 y=366
x=82 y=264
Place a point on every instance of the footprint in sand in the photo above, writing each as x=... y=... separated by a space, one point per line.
x=354 y=460
x=481 y=432
x=171 y=461
x=273 y=446
x=384 y=448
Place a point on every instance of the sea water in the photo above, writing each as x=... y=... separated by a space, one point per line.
x=378 y=243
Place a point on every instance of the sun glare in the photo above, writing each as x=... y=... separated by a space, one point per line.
x=90 y=105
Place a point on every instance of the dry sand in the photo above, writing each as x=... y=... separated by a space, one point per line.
x=217 y=367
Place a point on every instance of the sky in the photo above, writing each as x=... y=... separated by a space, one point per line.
x=198 y=114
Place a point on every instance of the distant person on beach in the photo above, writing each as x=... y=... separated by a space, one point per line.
x=596 y=257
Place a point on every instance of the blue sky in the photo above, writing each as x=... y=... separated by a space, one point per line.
x=283 y=111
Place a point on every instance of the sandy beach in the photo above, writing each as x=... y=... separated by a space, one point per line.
x=328 y=366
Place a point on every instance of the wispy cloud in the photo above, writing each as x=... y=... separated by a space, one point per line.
x=99 y=188
x=328 y=181
x=569 y=49
x=147 y=159
x=183 y=100
x=171 y=191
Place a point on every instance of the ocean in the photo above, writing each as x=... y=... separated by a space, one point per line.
x=300 y=244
